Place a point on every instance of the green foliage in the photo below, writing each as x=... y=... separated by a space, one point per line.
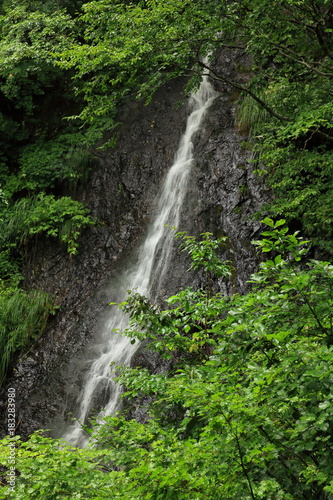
x=249 y=115
x=37 y=95
x=252 y=419
x=132 y=48
x=46 y=164
x=10 y=276
x=247 y=411
x=302 y=182
x=297 y=157
x=28 y=75
x=256 y=415
x=278 y=240
x=23 y=317
x=203 y=254
x=59 y=470
x=40 y=152
x=63 y=218
x=185 y=326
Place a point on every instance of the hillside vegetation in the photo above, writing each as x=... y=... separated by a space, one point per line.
x=247 y=411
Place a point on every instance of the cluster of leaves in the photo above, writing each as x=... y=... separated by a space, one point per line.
x=247 y=415
x=56 y=217
x=24 y=314
x=292 y=134
x=34 y=92
x=133 y=47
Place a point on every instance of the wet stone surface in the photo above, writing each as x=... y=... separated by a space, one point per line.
x=222 y=195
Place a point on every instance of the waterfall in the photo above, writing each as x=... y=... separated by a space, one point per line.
x=152 y=263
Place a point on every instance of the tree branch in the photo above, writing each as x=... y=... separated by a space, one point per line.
x=243 y=467
x=322 y=134
x=300 y=61
x=218 y=77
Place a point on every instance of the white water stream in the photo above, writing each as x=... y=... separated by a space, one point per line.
x=152 y=263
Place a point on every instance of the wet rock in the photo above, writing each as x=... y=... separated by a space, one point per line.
x=223 y=194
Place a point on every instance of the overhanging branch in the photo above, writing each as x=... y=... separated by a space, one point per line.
x=218 y=77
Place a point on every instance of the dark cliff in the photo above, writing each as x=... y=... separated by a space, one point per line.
x=222 y=195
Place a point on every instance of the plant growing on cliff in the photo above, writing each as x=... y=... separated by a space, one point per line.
x=63 y=218
x=24 y=314
x=251 y=420
x=23 y=317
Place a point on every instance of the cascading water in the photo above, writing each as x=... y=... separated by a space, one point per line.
x=152 y=263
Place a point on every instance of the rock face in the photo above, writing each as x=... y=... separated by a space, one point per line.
x=223 y=193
